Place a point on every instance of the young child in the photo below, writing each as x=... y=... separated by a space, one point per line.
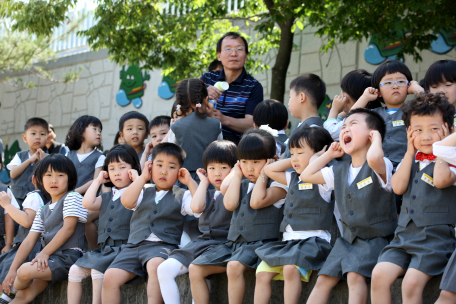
x=133 y=129
x=114 y=224
x=253 y=224
x=306 y=223
x=214 y=219
x=61 y=222
x=21 y=166
x=424 y=239
x=366 y=203
x=156 y=224
x=158 y=129
x=307 y=93
x=274 y=114
x=440 y=78
x=352 y=87
x=443 y=173
x=6 y=222
x=82 y=139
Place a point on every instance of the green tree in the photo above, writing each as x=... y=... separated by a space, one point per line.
x=182 y=40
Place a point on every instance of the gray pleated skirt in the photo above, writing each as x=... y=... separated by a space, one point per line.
x=100 y=258
x=243 y=252
x=60 y=263
x=194 y=249
x=449 y=276
x=426 y=249
x=7 y=258
x=310 y=253
x=360 y=257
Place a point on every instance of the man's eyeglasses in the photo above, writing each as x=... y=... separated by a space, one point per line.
x=389 y=84
x=237 y=49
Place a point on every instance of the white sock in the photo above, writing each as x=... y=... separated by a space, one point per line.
x=167 y=273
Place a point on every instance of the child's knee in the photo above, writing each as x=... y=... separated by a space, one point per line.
x=77 y=274
x=152 y=265
x=109 y=278
x=290 y=272
x=24 y=273
x=355 y=279
x=235 y=268
x=447 y=296
x=411 y=285
x=263 y=278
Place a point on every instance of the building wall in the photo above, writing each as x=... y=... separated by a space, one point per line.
x=95 y=92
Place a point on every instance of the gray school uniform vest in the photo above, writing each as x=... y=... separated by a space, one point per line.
x=214 y=223
x=254 y=224
x=281 y=139
x=305 y=209
x=23 y=232
x=368 y=212
x=2 y=212
x=85 y=169
x=22 y=185
x=306 y=123
x=395 y=141
x=164 y=220
x=194 y=134
x=53 y=222
x=140 y=154
x=114 y=219
x=427 y=205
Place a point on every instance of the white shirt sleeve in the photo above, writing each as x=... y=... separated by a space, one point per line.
x=38 y=225
x=72 y=206
x=16 y=161
x=333 y=126
x=288 y=177
x=171 y=137
x=186 y=200
x=446 y=153
x=138 y=202
x=279 y=203
x=33 y=201
x=389 y=173
x=100 y=161
x=13 y=200
x=220 y=136
x=328 y=176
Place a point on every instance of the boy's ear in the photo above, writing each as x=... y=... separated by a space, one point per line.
x=255 y=126
x=121 y=135
x=379 y=93
x=303 y=97
x=24 y=138
x=286 y=126
x=34 y=180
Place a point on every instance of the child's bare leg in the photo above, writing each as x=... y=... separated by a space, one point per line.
x=357 y=288
x=446 y=297
x=413 y=286
x=30 y=282
x=154 y=295
x=74 y=289
x=293 y=285
x=30 y=293
x=263 y=288
x=113 y=279
x=91 y=229
x=322 y=290
x=198 y=274
x=97 y=286
x=383 y=276
x=236 y=282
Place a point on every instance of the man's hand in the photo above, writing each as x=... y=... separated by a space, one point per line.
x=213 y=92
x=220 y=116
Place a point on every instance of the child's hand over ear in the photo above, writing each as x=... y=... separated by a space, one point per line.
x=202 y=174
x=335 y=150
x=444 y=132
x=370 y=93
x=184 y=176
x=103 y=177
x=318 y=154
x=411 y=150
x=375 y=136
x=5 y=199
x=148 y=148
x=339 y=103
x=237 y=170
x=147 y=170
x=414 y=88
x=133 y=174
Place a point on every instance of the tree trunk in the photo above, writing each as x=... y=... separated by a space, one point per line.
x=280 y=68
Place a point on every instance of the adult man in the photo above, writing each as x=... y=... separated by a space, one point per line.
x=234 y=106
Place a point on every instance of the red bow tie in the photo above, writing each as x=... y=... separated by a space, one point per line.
x=420 y=156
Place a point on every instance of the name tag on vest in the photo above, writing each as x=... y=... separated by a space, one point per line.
x=398 y=123
x=427 y=179
x=365 y=182
x=305 y=186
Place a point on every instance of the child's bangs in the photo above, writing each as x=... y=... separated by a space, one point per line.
x=94 y=121
x=57 y=163
x=253 y=148
x=439 y=72
x=123 y=153
x=220 y=152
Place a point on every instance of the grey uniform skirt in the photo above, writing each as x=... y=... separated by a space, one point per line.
x=426 y=249
x=100 y=258
x=7 y=258
x=449 y=276
x=194 y=249
x=241 y=251
x=60 y=263
x=360 y=257
x=310 y=253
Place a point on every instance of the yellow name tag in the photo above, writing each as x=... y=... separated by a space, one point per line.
x=398 y=123
x=305 y=186
x=364 y=182
x=427 y=179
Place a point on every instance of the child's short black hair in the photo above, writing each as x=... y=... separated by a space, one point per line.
x=256 y=144
x=355 y=82
x=271 y=112
x=116 y=138
x=315 y=137
x=220 y=152
x=440 y=72
x=74 y=138
x=389 y=67
x=159 y=121
x=125 y=153
x=169 y=149
x=58 y=163
x=311 y=85
x=214 y=65
x=373 y=120
x=36 y=121
x=132 y=115
x=426 y=104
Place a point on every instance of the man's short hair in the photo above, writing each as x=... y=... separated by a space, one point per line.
x=36 y=121
x=232 y=35
x=373 y=120
x=311 y=85
x=132 y=115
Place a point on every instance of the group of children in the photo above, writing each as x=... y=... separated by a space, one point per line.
x=387 y=174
